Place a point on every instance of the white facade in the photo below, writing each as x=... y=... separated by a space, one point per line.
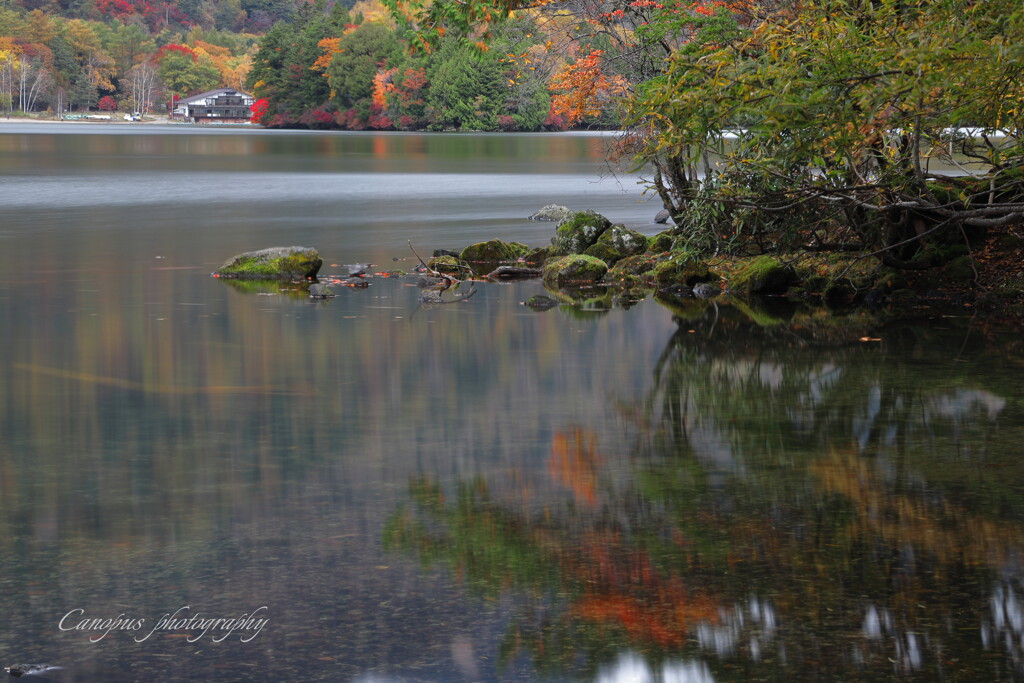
x=224 y=105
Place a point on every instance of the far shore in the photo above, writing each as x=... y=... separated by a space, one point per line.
x=114 y=118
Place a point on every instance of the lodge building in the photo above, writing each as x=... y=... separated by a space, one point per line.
x=223 y=105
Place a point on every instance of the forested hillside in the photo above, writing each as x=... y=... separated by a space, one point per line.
x=316 y=65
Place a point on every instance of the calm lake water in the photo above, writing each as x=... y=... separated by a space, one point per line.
x=364 y=489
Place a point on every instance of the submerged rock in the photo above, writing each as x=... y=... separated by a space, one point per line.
x=358 y=269
x=706 y=290
x=319 y=291
x=539 y=302
x=275 y=263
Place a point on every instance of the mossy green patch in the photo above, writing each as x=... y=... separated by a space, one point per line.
x=682 y=268
x=276 y=263
x=493 y=251
x=763 y=275
x=537 y=257
x=578 y=232
x=661 y=242
x=449 y=265
x=574 y=269
x=616 y=243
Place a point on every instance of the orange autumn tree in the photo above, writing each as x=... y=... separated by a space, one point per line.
x=329 y=47
x=582 y=91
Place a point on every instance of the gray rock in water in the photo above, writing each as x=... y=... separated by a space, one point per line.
x=662 y=216
x=551 y=212
x=706 y=290
x=540 y=302
x=429 y=282
x=677 y=290
x=319 y=291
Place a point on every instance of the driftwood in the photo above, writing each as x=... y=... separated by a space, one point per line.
x=433 y=296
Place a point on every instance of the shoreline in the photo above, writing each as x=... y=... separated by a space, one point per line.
x=155 y=120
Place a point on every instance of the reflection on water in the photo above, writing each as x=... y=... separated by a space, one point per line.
x=785 y=509
x=476 y=491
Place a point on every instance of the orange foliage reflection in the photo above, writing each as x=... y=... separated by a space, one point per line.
x=574 y=462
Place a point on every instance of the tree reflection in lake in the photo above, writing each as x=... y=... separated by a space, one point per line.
x=789 y=510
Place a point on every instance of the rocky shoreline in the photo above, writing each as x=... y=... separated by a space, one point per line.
x=593 y=265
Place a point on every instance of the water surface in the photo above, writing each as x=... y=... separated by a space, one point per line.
x=474 y=491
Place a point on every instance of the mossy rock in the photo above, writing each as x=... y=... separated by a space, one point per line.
x=449 y=265
x=959 y=272
x=631 y=271
x=763 y=275
x=536 y=257
x=837 y=277
x=682 y=268
x=493 y=251
x=578 y=232
x=605 y=252
x=574 y=269
x=275 y=263
x=616 y=243
x=661 y=242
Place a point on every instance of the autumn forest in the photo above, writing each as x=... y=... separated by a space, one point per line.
x=313 y=65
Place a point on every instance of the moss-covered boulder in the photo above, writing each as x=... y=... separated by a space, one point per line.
x=763 y=275
x=661 y=242
x=632 y=270
x=578 y=232
x=836 y=278
x=574 y=269
x=536 y=257
x=682 y=268
x=275 y=263
x=616 y=243
x=449 y=265
x=493 y=251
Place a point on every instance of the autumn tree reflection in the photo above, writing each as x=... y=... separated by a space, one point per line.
x=792 y=508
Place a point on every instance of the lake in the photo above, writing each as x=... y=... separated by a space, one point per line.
x=201 y=481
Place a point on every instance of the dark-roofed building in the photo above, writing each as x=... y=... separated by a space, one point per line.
x=223 y=105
